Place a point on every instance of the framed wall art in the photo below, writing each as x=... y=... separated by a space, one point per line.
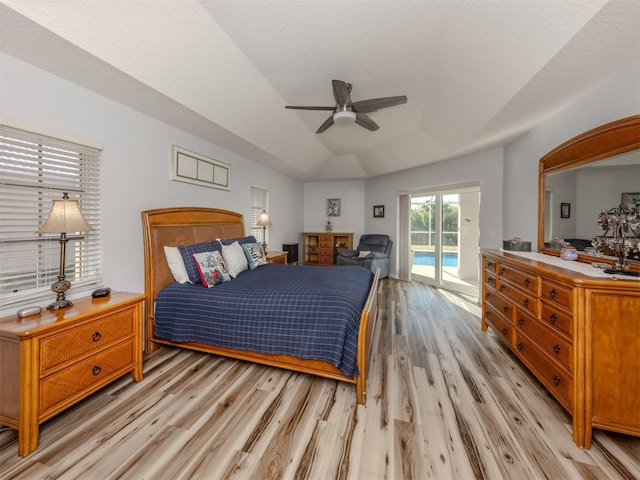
x=333 y=207
x=191 y=167
x=631 y=199
x=565 y=210
x=378 y=211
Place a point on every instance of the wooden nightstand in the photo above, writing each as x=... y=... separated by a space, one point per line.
x=277 y=257
x=52 y=360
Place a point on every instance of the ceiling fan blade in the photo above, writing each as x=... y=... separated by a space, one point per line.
x=364 y=121
x=373 y=104
x=341 y=92
x=309 y=108
x=327 y=123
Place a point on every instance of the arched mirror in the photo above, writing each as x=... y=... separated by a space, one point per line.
x=592 y=172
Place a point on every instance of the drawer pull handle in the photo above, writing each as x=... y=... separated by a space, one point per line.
x=96 y=370
x=556 y=380
x=506 y=308
x=96 y=336
x=502 y=288
x=556 y=348
x=526 y=302
x=553 y=318
x=487 y=295
x=526 y=282
x=552 y=293
x=501 y=272
x=521 y=346
x=489 y=264
x=505 y=331
x=521 y=321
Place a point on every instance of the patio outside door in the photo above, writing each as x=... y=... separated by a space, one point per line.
x=445 y=235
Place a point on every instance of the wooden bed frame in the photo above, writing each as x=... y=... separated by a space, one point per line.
x=189 y=225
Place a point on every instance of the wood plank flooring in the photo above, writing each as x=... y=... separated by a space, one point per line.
x=445 y=401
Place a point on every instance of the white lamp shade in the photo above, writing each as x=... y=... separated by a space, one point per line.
x=263 y=220
x=65 y=216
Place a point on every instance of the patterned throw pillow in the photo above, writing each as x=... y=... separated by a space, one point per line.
x=255 y=255
x=212 y=268
x=187 y=252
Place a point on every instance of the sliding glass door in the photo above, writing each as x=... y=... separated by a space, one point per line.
x=444 y=238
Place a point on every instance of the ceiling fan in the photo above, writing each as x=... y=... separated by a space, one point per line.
x=347 y=111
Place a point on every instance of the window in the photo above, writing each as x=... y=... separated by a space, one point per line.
x=35 y=170
x=259 y=204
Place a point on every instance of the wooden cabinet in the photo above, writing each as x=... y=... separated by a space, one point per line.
x=579 y=335
x=50 y=361
x=320 y=248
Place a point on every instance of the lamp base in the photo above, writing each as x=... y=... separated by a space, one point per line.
x=60 y=287
x=58 y=304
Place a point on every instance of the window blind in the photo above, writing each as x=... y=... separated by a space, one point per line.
x=36 y=169
x=259 y=203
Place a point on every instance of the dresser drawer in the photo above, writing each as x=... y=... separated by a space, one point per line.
x=550 y=342
x=326 y=237
x=326 y=259
x=326 y=245
x=554 y=316
x=72 y=381
x=490 y=280
x=500 y=325
x=499 y=303
x=58 y=349
x=550 y=373
x=522 y=298
x=520 y=278
x=490 y=265
x=557 y=293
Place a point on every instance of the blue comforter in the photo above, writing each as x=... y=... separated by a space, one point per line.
x=306 y=312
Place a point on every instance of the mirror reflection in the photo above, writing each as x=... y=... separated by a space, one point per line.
x=574 y=198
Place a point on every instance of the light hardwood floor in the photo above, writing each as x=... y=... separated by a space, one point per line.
x=445 y=401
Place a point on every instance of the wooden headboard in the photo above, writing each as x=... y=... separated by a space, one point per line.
x=179 y=226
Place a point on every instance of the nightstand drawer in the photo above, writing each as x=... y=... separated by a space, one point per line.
x=73 y=380
x=58 y=349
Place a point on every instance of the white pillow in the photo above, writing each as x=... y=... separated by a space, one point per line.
x=235 y=259
x=363 y=253
x=176 y=264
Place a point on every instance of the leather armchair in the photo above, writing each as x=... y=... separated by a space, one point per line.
x=372 y=252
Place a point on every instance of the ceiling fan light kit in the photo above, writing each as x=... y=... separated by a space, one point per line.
x=346 y=111
x=344 y=118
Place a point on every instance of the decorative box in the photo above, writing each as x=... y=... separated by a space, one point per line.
x=517 y=245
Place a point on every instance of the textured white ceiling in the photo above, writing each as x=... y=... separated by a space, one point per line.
x=477 y=74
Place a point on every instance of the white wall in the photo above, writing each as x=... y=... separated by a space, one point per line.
x=484 y=167
x=136 y=165
x=599 y=190
x=616 y=98
x=351 y=193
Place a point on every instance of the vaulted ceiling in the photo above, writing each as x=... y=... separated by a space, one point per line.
x=477 y=74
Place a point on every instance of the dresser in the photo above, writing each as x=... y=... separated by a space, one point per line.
x=52 y=360
x=320 y=248
x=578 y=334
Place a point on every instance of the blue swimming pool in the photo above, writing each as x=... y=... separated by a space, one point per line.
x=449 y=259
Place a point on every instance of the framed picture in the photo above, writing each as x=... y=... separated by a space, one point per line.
x=565 y=210
x=333 y=207
x=378 y=211
x=631 y=200
x=191 y=167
